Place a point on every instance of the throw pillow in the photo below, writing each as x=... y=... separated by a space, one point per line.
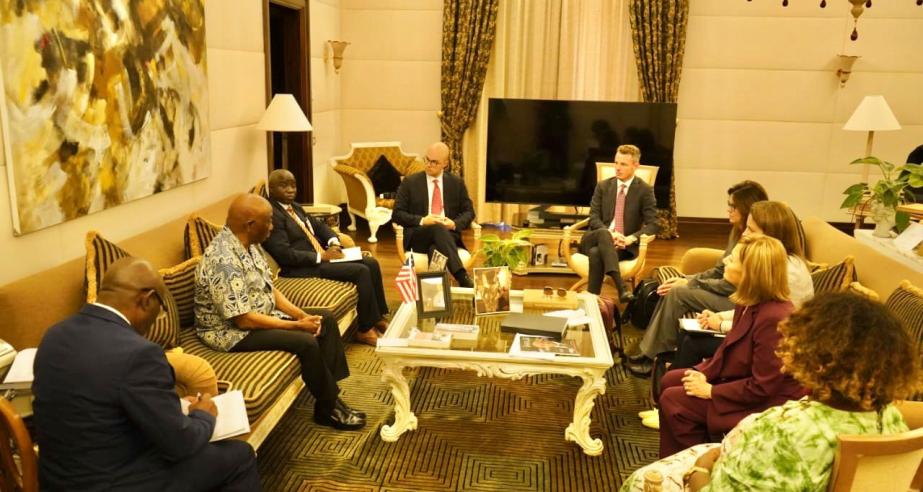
x=906 y=302
x=834 y=278
x=180 y=281
x=385 y=178
x=857 y=288
x=198 y=235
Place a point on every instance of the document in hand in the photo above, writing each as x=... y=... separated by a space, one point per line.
x=691 y=325
x=20 y=375
x=232 y=415
x=350 y=254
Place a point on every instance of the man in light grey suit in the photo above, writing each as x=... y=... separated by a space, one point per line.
x=622 y=209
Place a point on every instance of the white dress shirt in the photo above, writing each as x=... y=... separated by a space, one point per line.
x=114 y=310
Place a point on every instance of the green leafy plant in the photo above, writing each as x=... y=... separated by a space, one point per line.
x=890 y=190
x=512 y=252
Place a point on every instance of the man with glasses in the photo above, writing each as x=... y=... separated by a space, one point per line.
x=106 y=413
x=433 y=207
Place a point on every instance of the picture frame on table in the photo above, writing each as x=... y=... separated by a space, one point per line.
x=435 y=295
x=492 y=290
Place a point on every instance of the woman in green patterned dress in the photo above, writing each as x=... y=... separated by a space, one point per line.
x=857 y=360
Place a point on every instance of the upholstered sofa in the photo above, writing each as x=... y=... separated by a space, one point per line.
x=270 y=381
x=362 y=196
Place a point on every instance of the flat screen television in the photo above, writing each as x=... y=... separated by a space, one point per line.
x=545 y=152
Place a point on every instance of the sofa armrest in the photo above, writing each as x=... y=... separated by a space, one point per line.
x=698 y=260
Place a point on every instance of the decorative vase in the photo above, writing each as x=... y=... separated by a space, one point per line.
x=884 y=218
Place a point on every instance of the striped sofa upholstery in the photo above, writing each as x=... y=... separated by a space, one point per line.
x=906 y=302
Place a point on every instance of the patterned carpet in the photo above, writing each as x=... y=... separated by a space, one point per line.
x=474 y=434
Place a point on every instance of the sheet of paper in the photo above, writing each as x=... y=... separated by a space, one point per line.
x=910 y=238
x=574 y=317
x=691 y=325
x=21 y=370
x=232 y=415
x=350 y=254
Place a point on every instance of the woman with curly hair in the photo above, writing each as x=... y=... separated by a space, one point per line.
x=855 y=358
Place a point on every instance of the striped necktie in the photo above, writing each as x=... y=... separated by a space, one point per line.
x=619 y=218
x=314 y=242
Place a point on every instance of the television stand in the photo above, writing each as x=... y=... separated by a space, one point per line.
x=542 y=217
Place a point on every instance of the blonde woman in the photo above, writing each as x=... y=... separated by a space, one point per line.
x=699 y=405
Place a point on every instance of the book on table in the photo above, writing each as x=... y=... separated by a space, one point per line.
x=232 y=415
x=535 y=324
x=458 y=331
x=20 y=375
x=349 y=254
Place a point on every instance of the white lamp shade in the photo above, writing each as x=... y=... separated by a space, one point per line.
x=284 y=115
x=873 y=114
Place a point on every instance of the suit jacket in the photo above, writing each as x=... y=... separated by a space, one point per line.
x=288 y=244
x=106 y=412
x=640 y=215
x=745 y=373
x=412 y=204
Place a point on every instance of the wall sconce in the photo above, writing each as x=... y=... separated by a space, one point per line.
x=845 y=62
x=337 y=48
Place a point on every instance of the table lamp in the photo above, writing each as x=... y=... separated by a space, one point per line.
x=873 y=114
x=284 y=115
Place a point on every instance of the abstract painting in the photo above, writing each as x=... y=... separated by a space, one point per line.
x=105 y=101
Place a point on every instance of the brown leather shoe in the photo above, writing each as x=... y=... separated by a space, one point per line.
x=369 y=337
x=381 y=327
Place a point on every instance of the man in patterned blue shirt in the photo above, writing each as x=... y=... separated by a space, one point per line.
x=238 y=310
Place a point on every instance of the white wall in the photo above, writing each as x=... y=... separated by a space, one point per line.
x=759 y=99
x=326 y=113
x=234 y=36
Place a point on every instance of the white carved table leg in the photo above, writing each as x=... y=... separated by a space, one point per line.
x=404 y=419
x=579 y=430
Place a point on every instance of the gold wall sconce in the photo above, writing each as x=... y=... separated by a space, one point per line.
x=336 y=49
x=844 y=67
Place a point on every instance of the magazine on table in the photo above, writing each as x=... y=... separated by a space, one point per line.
x=542 y=347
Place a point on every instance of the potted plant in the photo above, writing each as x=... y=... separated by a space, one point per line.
x=886 y=194
x=512 y=252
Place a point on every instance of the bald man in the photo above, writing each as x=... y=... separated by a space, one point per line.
x=433 y=207
x=237 y=309
x=106 y=412
x=303 y=247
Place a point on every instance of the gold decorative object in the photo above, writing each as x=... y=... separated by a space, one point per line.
x=337 y=48
x=858 y=7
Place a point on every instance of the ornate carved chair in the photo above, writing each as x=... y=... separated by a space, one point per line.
x=362 y=197
x=18 y=463
x=421 y=260
x=580 y=263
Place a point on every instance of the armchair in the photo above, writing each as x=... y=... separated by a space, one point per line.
x=580 y=263
x=421 y=260
x=362 y=197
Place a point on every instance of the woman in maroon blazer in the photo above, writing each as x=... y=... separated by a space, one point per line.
x=698 y=405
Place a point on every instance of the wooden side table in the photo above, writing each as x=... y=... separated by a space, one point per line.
x=329 y=214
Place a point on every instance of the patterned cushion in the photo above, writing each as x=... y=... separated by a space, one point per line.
x=906 y=302
x=261 y=376
x=834 y=278
x=180 y=282
x=198 y=235
x=363 y=158
x=318 y=293
x=859 y=289
x=384 y=177
x=165 y=330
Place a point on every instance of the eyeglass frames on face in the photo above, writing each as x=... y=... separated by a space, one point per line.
x=550 y=291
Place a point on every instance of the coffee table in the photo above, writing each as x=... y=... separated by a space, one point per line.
x=489 y=356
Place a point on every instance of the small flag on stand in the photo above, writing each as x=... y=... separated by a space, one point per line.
x=407 y=281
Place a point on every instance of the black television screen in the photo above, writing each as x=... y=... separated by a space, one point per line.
x=545 y=152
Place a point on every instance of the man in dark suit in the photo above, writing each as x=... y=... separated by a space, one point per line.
x=622 y=209
x=433 y=207
x=106 y=412
x=303 y=247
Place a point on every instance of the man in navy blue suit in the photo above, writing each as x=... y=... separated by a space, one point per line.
x=106 y=413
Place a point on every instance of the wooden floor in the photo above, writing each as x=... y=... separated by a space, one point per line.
x=660 y=252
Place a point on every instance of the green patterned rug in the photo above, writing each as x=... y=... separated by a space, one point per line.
x=474 y=434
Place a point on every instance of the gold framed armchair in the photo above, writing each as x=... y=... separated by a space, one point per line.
x=421 y=260
x=580 y=263
x=361 y=196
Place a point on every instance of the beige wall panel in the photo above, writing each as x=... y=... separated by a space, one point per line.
x=393 y=34
x=833 y=196
x=328 y=187
x=892 y=146
x=416 y=130
x=704 y=194
x=757 y=95
x=238 y=161
x=232 y=24
x=393 y=4
x=324 y=25
x=325 y=86
x=754 y=145
x=391 y=85
x=236 y=87
x=333 y=3
x=901 y=90
x=762 y=42
x=890 y=45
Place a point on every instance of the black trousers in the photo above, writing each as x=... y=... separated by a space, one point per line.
x=228 y=465
x=323 y=361
x=435 y=237
x=694 y=349
x=365 y=274
x=604 y=259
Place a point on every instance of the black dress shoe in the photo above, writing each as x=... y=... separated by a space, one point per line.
x=626 y=297
x=340 y=419
x=641 y=369
x=638 y=358
x=465 y=282
x=348 y=409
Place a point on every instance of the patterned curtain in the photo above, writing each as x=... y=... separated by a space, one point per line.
x=658 y=29
x=468 y=31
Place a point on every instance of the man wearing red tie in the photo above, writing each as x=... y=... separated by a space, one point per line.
x=433 y=207
x=303 y=247
x=622 y=208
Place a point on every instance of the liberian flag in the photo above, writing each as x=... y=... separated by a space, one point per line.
x=407 y=281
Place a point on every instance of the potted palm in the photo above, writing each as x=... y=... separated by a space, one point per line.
x=886 y=194
x=512 y=252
